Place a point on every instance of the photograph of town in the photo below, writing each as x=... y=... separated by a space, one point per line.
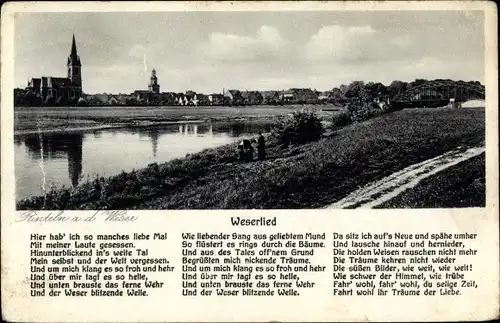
x=249 y=110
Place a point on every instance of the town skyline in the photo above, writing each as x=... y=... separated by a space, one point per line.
x=274 y=51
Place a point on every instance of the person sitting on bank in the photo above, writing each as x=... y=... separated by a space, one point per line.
x=241 y=153
x=261 y=147
x=245 y=150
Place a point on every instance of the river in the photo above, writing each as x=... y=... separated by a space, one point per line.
x=67 y=159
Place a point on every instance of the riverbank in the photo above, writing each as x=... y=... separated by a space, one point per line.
x=61 y=119
x=462 y=185
x=410 y=180
x=305 y=176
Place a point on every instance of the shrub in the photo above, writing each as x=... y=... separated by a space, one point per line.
x=361 y=111
x=341 y=119
x=300 y=127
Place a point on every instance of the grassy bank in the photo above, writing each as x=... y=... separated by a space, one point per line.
x=462 y=185
x=304 y=176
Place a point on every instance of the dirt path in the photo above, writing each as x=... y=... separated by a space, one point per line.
x=391 y=186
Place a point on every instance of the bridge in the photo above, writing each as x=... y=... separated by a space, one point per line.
x=439 y=93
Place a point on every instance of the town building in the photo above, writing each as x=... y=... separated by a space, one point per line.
x=216 y=99
x=150 y=96
x=233 y=97
x=154 y=87
x=287 y=96
x=141 y=95
x=251 y=97
x=202 y=99
x=299 y=96
x=270 y=97
x=61 y=89
x=192 y=98
x=167 y=98
x=181 y=99
x=325 y=96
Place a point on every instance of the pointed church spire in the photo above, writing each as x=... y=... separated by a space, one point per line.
x=73 y=47
x=73 y=59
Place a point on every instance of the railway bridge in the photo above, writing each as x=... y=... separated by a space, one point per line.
x=439 y=93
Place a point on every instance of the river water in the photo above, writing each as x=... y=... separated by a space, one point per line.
x=67 y=159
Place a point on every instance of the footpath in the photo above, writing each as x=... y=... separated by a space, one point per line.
x=391 y=186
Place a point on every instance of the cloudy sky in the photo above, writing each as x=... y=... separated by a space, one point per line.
x=208 y=51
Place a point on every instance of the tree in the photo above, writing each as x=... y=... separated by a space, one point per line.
x=415 y=83
x=336 y=96
x=375 y=90
x=418 y=82
x=30 y=99
x=343 y=88
x=396 y=88
x=131 y=101
x=354 y=89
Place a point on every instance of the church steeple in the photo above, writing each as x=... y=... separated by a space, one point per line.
x=73 y=48
x=73 y=58
x=153 y=83
x=74 y=65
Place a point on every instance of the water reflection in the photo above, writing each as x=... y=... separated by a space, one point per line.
x=75 y=155
x=66 y=158
x=53 y=146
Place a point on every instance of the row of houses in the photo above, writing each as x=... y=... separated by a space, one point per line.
x=191 y=98
x=227 y=97
x=294 y=95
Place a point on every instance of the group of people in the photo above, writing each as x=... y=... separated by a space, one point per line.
x=246 y=149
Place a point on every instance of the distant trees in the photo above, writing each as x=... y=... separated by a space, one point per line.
x=336 y=96
x=364 y=101
x=28 y=98
x=131 y=101
x=354 y=89
x=376 y=89
x=358 y=90
x=418 y=82
x=395 y=88
x=72 y=101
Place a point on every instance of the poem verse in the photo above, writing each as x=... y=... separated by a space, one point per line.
x=235 y=264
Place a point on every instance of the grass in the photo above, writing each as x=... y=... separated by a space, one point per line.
x=462 y=185
x=304 y=176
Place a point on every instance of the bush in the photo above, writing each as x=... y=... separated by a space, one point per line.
x=301 y=127
x=360 y=111
x=341 y=119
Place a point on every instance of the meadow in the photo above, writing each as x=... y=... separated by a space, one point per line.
x=310 y=175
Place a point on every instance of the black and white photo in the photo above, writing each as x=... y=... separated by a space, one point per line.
x=249 y=109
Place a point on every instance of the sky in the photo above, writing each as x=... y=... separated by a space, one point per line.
x=208 y=51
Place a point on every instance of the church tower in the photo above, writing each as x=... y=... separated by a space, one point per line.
x=74 y=66
x=153 y=83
